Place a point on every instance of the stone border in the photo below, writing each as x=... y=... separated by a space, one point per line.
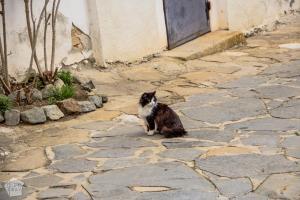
x=39 y=115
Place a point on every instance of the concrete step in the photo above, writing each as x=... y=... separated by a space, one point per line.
x=207 y=44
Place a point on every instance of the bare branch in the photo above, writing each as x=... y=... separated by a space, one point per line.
x=2 y=55
x=54 y=17
x=5 y=86
x=33 y=37
x=32 y=17
x=46 y=20
x=4 y=58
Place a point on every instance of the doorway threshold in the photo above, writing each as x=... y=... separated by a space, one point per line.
x=207 y=44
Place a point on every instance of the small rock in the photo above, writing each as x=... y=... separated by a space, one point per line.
x=96 y=100
x=37 y=95
x=86 y=106
x=88 y=86
x=58 y=83
x=1 y=118
x=46 y=92
x=104 y=99
x=52 y=112
x=12 y=117
x=69 y=106
x=34 y=116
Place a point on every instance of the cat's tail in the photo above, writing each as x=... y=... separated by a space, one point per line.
x=175 y=132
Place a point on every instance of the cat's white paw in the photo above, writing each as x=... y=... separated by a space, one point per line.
x=151 y=132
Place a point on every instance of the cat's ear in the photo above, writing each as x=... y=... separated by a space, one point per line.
x=154 y=93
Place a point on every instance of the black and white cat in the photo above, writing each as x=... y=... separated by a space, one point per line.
x=159 y=118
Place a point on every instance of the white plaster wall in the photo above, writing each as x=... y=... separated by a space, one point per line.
x=244 y=15
x=77 y=12
x=131 y=29
x=218 y=15
x=17 y=36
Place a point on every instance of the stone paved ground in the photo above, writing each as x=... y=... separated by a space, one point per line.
x=241 y=108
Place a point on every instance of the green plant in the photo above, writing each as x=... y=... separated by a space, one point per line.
x=66 y=77
x=65 y=92
x=39 y=84
x=5 y=103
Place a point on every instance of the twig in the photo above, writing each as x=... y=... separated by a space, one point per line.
x=54 y=16
x=5 y=86
x=4 y=58
x=33 y=37
x=46 y=20
x=2 y=55
x=32 y=18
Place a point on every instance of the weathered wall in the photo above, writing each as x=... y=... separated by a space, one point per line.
x=218 y=15
x=131 y=29
x=244 y=15
x=125 y=30
x=17 y=37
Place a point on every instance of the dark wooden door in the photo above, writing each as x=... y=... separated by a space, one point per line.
x=185 y=20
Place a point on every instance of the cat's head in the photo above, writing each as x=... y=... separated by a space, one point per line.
x=148 y=98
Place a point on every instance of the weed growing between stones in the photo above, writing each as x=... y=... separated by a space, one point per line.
x=66 y=77
x=5 y=103
x=59 y=94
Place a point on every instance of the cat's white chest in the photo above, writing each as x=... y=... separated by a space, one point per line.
x=144 y=111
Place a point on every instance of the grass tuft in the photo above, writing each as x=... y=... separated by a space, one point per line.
x=65 y=92
x=5 y=103
x=66 y=77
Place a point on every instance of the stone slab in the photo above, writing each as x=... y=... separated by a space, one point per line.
x=244 y=82
x=267 y=124
x=168 y=175
x=214 y=135
x=277 y=91
x=42 y=181
x=52 y=193
x=261 y=140
x=186 y=154
x=286 y=70
x=67 y=151
x=121 y=142
x=233 y=187
x=247 y=165
x=177 y=143
x=27 y=160
x=288 y=110
x=73 y=165
x=229 y=111
x=205 y=45
x=112 y=153
x=97 y=125
x=121 y=130
x=281 y=186
x=118 y=163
